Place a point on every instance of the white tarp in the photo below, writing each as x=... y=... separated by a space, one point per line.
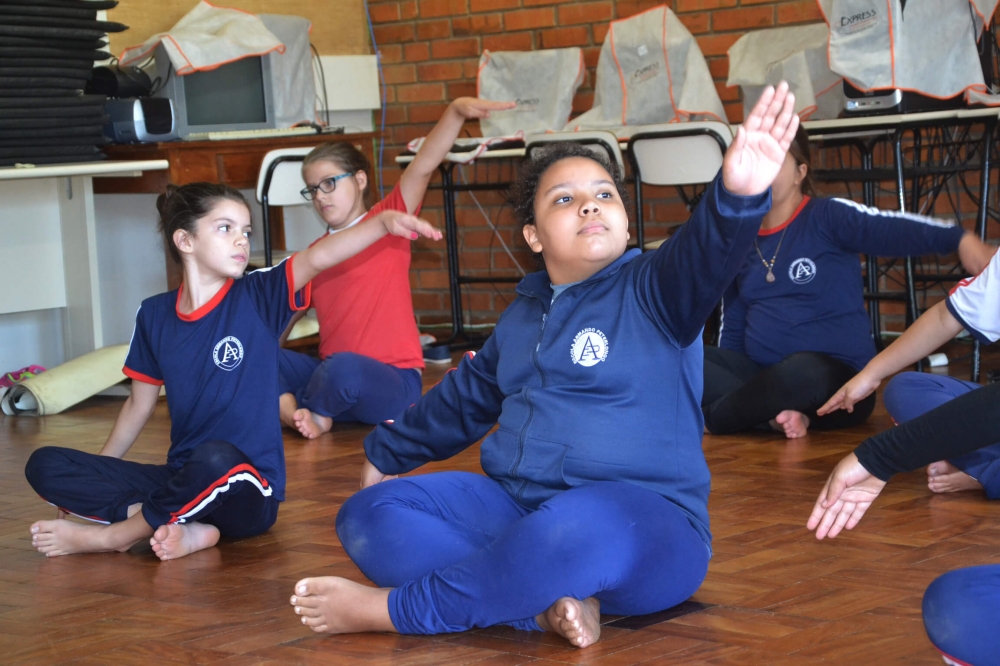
x=795 y=54
x=542 y=83
x=651 y=70
x=207 y=37
x=929 y=48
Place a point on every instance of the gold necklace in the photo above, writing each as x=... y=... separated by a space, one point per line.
x=770 y=265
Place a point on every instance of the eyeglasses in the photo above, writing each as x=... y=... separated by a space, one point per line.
x=326 y=186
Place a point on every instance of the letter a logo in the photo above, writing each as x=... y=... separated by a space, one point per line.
x=228 y=353
x=589 y=348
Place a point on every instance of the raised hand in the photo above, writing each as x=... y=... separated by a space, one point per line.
x=472 y=108
x=858 y=388
x=758 y=151
x=370 y=475
x=409 y=226
x=848 y=493
x=974 y=253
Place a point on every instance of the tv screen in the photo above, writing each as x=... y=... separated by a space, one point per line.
x=232 y=94
x=235 y=96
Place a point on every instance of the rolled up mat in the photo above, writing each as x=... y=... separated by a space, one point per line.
x=73 y=23
x=54 y=12
x=65 y=385
x=18 y=93
x=60 y=159
x=54 y=141
x=46 y=102
x=81 y=35
x=95 y=131
x=17 y=39
x=28 y=154
x=53 y=112
x=31 y=85
x=50 y=51
x=83 y=71
x=86 y=4
x=38 y=123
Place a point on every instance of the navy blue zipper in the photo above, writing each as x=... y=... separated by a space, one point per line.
x=527 y=398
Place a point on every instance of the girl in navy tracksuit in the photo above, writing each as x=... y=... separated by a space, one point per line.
x=214 y=344
x=596 y=488
x=794 y=325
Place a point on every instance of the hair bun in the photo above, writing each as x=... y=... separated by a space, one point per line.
x=163 y=200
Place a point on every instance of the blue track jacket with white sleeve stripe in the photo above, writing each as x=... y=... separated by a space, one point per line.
x=816 y=302
x=604 y=383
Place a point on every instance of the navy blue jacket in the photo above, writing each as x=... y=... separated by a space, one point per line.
x=816 y=302
x=602 y=384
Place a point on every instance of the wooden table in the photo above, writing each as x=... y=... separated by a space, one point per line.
x=235 y=162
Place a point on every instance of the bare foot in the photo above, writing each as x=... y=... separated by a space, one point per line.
x=943 y=477
x=338 y=606
x=577 y=621
x=794 y=424
x=311 y=425
x=64 y=537
x=286 y=410
x=170 y=542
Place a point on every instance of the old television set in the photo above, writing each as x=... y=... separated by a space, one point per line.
x=235 y=96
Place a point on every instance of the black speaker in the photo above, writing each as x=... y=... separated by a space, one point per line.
x=119 y=82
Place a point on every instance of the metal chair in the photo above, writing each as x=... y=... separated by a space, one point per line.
x=279 y=183
x=675 y=154
x=600 y=141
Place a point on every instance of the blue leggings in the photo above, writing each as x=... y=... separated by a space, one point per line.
x=347 y=386
x=911 y=394
x=960 y=614
x=461 y=553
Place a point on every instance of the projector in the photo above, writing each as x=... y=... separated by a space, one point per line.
x=145 y=120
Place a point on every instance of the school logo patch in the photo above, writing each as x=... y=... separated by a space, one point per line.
x=802 y=270
x=590 y=347
x=228 y=353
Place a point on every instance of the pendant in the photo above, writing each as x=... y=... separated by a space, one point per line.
x=770 y=276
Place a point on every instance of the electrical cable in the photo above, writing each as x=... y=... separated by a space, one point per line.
x=378 y=62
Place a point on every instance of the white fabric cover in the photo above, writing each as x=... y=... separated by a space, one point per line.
x=930 y=48
x=291 y=70
x=651 y=71
x=795 y=54
x=542 y=83
x=207 y=37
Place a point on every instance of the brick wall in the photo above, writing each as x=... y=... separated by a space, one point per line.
x=430 y=52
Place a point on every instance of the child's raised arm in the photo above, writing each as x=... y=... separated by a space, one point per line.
x=343 y=245
x=934 y=328
x=753 y=160
x=416 y=177
x=133 y=416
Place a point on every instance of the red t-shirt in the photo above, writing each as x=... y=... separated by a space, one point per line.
x=364 y=304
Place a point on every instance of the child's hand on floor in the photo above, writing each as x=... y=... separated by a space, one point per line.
x=472 y=108
x=758 y=151
x=848 y=493
x=370 y=475
x=409 y=226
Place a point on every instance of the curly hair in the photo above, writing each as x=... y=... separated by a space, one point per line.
x=522 y=193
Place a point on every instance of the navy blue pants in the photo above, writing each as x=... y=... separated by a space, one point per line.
x=348 y=387
x=217 y=485
x=960 y=615
x=911 y=394
x=461 y=553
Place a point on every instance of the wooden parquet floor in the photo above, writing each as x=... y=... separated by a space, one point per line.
x=774 y=595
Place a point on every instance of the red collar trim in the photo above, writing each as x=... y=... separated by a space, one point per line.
x=781 y=227
x=207 y=307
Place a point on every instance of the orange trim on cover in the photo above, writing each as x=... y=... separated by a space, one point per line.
x=290 y=278
x=621 y=74
x=770 y=232
x=139 y=377
x=892 y=42
x=666 y=62
x=479 y=72
x=207 y=307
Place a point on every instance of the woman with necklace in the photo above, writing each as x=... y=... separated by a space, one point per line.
x=794 y=324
